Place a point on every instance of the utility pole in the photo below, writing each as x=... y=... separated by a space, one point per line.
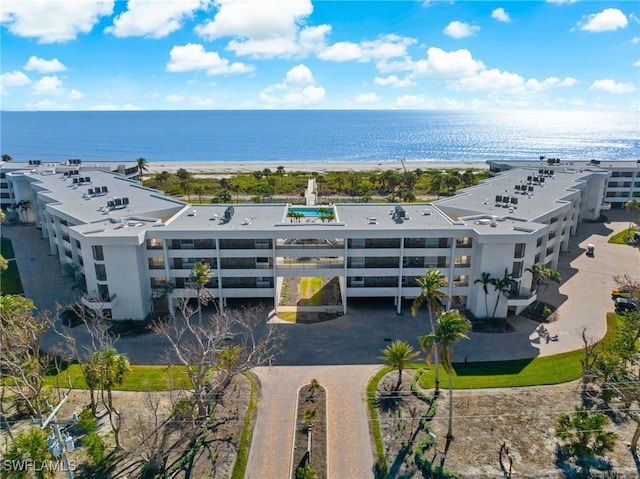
x=58 y=444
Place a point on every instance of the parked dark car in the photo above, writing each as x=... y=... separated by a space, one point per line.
x=623 y=304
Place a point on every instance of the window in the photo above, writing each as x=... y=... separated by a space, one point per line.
x=462 y=261
x=539 y=242
x=158 y=282
x=154 y=243
x=156 y=263
x=460 y=280
x=520 y=249
x=101 y=272
x=78 y=245
x=464 y=242
x=263 y=243
x=103 y=292
x=98 y=254
x=517 y=269
x=536 y=260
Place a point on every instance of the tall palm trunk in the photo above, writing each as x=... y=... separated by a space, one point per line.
x=450 y=429
x=436 y=356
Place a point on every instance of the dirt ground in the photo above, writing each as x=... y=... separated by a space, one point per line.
x=314 y=401
x=522 y=418
x=215 y=459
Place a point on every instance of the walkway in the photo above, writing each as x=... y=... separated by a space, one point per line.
x=347 y=421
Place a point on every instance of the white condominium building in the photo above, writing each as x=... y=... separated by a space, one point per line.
x=136 y=247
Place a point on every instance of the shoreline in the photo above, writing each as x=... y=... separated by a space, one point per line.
x=232 y=167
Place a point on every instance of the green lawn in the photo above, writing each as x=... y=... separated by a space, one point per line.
x=10 y=279
x=556 y=369
x=141 y=378
x=6 y=248
x=290 y=316
x=310 y=294
x=621 y=237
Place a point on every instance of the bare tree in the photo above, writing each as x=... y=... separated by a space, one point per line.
x=23 y=362
x=217 y=348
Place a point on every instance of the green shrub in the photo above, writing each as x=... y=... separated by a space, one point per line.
x=96 y=447
x=306 y=472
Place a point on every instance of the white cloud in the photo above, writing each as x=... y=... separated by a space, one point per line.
x=380 y=49
x=551 y=82
x=52 y=21
x=342 y=52
x=298 y=75
x=174 y=98
x=200 y=101
x=636 y=64
x=561 y=2
x=312 y=39
x=635 y=40
x=500 y=15
x=297 y=90
x=423 y=102
x=192 y=57
x=505 y=82
x=367 y=98
x=607 y=20
x=493 y=79
x=439 y=63
x=393 y=81
x=48 y=105
x=458 y=29
x=263 y=29
x=44 y=66
x=48 y=85
x=75 y=94
x=12 y=79
x=611 y=86
x=113 y=107
x=154 y=19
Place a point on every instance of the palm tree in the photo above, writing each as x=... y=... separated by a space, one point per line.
x=199 y=190
x=486 y=280
x=162 y=177
x=435 y=186
x=541 y=275
x=467 y=178
x=585 y=435
x=143 y=165
x=398 y=355
x=430 y=293
x=502 y=285
x=452 y=326
x=199 y=277
x=630 y=206
x=113 y=368
x=24 y=206
x=6 y=157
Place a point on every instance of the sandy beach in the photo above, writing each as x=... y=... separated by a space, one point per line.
x=213 y=167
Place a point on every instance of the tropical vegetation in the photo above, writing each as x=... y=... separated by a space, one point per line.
x=451 y=327
x=431 y=294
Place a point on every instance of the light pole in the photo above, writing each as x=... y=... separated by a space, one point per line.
x=58 y=444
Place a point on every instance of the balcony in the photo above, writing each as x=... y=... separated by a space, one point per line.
x=521 y=300
x=93 y=301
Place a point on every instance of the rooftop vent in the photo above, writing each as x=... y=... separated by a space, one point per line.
x=35 y=162
x=373 y=221
x=399 y=213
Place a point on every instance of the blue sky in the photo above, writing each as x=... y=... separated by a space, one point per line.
x=291 y=54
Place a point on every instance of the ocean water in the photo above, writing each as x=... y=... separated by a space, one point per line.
x=325 y=135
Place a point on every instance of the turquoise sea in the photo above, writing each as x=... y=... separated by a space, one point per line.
x=318 y=135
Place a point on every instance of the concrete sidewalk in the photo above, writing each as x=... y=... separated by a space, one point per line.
x=348 y=440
